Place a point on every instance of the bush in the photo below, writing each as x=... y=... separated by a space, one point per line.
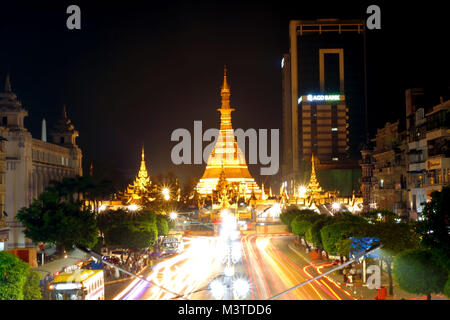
x=17 y=282
x=31 y=289
x=313 y=233
x=303 y=221
x=418 y=271
x=162 y=225
x=332 y=235
x=447 y=288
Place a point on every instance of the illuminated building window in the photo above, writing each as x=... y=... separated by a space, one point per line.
x=334 y=129
x=335 y=159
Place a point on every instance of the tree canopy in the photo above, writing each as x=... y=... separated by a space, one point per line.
x=313 y=233
x=162 y=225
x=49 y=219
x=302 y=221
x=435 y=226
x=416 y=271
x=129 y=231
x=332 y=234
x=17 y=281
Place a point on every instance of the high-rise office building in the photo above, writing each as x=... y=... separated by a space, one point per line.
x=323 y=83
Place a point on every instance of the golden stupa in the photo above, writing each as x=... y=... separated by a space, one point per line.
x=142 y=189
x=314 y=189
x=226 y=158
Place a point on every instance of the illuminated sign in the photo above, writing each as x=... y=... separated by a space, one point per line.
x=282 y=63
x=67 y=286
x=323 y=97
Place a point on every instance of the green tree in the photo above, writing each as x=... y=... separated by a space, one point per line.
x=331 y=235
x=313 y=233
x=395 y=238
x=131 y=231
x=288 y=215
x=447 y=288
x=31 y=289
x=434 y=229
x=17 y=282
x=303 y=220
x=162 y=225
x=49 y=219
x=416 y=271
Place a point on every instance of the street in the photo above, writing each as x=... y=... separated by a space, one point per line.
x=273 y=267
x=187 y=274
x=268 y=263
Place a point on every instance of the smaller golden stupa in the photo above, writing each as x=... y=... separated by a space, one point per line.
x=141 y=191
x=314 y=189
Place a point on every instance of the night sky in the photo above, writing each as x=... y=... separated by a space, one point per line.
x=138 y=70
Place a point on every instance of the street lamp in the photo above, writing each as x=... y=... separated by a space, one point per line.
x=133 y=207
x=335 y=206
x=166 y=193
x=173 y=216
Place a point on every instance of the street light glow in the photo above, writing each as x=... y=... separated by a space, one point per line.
x=217 y=289
x=133 y=207
x=241 y=288
x=228 y=271
x=166 y=193
x=302 y=191
x=173 y=216
x=336 y=206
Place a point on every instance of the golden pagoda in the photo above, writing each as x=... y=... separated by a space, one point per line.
x=142 y=189
x=314 y=189
x=226 y=157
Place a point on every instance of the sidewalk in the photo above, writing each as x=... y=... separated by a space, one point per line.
x=359 y=290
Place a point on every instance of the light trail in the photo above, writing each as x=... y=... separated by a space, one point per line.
x=187 y=273
x=271 y=271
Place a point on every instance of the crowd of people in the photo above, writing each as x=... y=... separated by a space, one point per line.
x=132 y=265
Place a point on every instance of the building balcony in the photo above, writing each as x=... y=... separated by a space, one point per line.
x=419 y=144
x=419 y=166
x=438 y=133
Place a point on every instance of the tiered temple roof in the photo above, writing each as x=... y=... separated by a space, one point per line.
x=142 y=189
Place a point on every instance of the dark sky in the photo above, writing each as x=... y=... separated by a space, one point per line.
x=138 y=70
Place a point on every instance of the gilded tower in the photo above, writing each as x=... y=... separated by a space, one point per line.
x=226 y=157
x=142 y=189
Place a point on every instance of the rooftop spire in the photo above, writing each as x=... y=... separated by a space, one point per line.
x=8 y=84
x=225 y=86
x=143 y=169
x=225 y=90
x=313 y=184
x=64 y=113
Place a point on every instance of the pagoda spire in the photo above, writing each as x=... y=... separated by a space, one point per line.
x=313 y=185
x=64 y=112
x=143 y=169
x=8 y=84
x=225 y=91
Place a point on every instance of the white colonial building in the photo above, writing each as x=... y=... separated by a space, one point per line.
x=32 y=163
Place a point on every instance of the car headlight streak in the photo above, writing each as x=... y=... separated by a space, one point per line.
x=229 y=251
